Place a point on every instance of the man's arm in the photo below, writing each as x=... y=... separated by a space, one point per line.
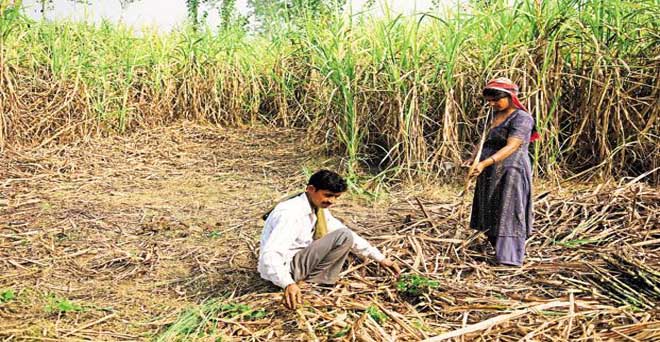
x=361 y=246
x=281 y=238
x=275 y=247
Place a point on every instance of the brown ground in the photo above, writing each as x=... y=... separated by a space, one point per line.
x=112 y=239
x=140 y=226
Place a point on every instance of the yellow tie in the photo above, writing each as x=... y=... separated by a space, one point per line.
x=321 y=226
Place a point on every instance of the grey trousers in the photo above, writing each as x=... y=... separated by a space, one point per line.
x=322 y=260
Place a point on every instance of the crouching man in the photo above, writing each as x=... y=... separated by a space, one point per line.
x=302 y=241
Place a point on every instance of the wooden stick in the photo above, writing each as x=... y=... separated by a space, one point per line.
x=398 y=320
x=482 y=140
x=101 y=320
x=380 y=330
x=495 y=320
x=305 y=324
x=424 y=211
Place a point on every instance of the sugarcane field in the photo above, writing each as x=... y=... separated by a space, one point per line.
x=329 y=170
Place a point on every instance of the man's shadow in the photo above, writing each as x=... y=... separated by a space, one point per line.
x=235 y=282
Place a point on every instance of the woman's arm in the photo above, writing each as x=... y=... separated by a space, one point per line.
x=512 y=144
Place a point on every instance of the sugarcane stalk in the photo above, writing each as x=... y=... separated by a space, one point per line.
x=468 y=178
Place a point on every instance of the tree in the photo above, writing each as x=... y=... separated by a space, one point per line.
x=44 y=4
x=193 y=12
x=274 y=13
x=226 y=9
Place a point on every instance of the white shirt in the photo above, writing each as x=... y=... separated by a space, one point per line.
x=289 y=229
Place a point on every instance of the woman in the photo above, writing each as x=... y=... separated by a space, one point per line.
x=502 y=205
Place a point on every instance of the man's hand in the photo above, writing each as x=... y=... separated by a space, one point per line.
x=292 y=296
x=391 y=265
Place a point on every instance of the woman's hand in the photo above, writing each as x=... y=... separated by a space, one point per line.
x=476 y=171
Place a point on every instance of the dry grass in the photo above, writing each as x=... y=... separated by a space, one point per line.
x=127 y=237
x=133 y=224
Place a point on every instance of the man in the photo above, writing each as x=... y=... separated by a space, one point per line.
x=301 y=240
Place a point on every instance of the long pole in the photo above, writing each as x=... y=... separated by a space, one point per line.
x=468 y=178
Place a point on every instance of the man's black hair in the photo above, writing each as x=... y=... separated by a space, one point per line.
x=495 y=93
x=327 y=180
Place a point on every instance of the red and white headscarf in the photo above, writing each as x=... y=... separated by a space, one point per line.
x=506 y=85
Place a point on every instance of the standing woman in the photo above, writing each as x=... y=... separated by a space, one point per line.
x=502 y=205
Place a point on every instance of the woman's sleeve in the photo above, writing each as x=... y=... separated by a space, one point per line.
x=521 y=126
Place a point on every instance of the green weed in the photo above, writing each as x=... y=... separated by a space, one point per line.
x=201 y=320
x=376 y=314
x=419 y=324
x=7 y=295
x=61 y=305
x=232 y=310
x=414 y=285
x=342 y=332
x=215 y=234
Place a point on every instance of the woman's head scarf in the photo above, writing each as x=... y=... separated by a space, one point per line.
x=506 y=85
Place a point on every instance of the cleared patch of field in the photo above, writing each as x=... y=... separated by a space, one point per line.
x=155 y=235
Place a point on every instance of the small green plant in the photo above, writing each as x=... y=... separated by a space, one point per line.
x=233 y=310
x=7 y=295
x=376 y=314
x=257 y=314
x=196 y=321
x=415 y=285
x=62 y=305
x=215 y=234
x=341 y=333
x=419 y=324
